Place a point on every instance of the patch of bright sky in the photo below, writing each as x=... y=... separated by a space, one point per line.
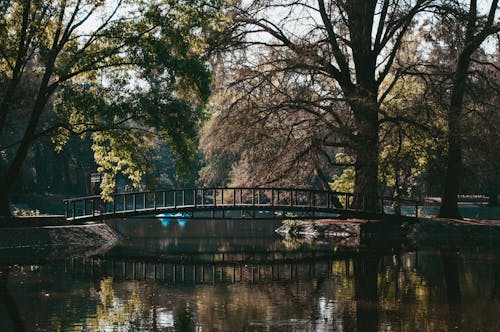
x=109 y=12
x=301 y=21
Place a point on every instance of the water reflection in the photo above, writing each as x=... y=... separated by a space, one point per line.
x=12 y=316
x=239 y=277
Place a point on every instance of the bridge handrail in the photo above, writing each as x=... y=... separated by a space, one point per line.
x=338 y=193
x=216 y=197
x=319 y=191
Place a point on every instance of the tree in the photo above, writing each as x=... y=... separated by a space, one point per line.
x=112 y=70
x=260 y=137
x=347 y=47
x=477 y=29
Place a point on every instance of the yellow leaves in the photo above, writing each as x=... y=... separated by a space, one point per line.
x=116 y=312
x=122 y=152
x=59 y=139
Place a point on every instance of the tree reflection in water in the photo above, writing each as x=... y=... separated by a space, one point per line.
x=363 y=293
x=13 y=320
x=237 y=278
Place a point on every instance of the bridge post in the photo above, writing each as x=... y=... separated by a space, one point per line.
x=93 y=207
x=65 y=209
x=310 y=198
x=222 y=196
x=144 y=200
x=291 y=198
x=84 y=207
x=134 y=201
x=346 y=201
x=175 y=198
x=202 y=197
x=278 y=196
x=114 y=204
x=272 y=197
x=215 y=196
x=194 y=197
x=183 y=197
x=164 y=199
x=253 y=197
x=234 y=197
x=328 y=200
x=154 y=200
x=73 y=210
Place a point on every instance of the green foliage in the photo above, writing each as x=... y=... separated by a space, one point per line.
x=408 y=138
x=345 y=181
x=152 y=85
x=401 y=164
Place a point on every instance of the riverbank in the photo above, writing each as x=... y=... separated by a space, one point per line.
x=389 y=231
x=40 y=243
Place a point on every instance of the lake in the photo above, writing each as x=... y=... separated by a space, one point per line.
x=239 y=275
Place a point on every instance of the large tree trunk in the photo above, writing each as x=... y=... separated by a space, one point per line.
x=9 y=177
x=473 y=40
x=363 y=102
x=366 y=149
x=449 y=200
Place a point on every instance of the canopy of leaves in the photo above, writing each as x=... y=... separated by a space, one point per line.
x=129 y=73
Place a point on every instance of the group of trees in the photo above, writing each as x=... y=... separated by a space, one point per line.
x=380 y=88
x=336 y=94
x=123 y=74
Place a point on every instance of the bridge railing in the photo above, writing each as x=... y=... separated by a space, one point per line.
x=93 y=206
x=154 y=201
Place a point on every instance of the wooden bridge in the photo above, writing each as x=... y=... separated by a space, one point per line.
x=223 y=203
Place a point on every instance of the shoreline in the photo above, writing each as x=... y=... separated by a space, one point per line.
x=32 y=244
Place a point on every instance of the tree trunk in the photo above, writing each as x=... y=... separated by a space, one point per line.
x=10 y=176
x=473 y=40
x=363 y=102
x=449 y=200
x=366 y=165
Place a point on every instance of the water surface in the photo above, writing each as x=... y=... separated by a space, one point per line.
x=216 y=275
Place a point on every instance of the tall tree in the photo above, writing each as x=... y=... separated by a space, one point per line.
x=113 y=70
x=477 y=28
x=351 y=45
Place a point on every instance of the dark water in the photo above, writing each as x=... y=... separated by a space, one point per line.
x=240 y=276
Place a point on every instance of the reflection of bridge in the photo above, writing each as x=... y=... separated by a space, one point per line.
x=218 y=202
x=220 y=268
